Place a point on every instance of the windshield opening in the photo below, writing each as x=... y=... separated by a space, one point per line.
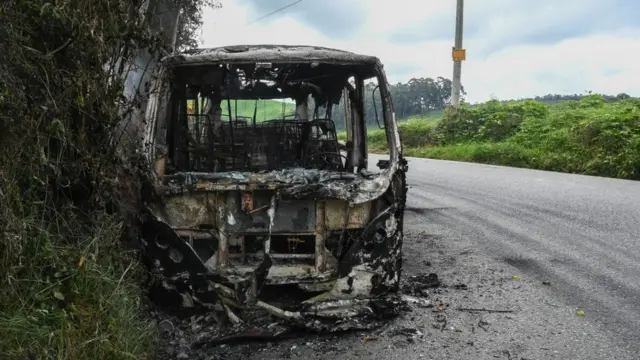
x=261 y=116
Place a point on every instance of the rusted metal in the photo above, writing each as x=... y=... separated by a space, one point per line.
x=224 y=220
x=356 y=216
x=223 y=248
x=194 y=234
x=293 y=256
x=321 y=235
x=160 y=165
x=247 y=201
x=243 y=248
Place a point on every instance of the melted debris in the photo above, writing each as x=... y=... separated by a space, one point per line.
x=418 y=285
x=198 y=334
x=194 y=335
x=294 y=183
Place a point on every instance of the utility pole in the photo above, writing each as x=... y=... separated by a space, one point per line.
x=458 y=54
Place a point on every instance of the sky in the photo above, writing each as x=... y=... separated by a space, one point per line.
x=515 y=48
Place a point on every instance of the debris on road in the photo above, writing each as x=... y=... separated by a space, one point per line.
x=195 y=334
x=410 y=334
x=432 y=323
x=484 y=325
x=419 y=301
x=418 y=285
x=198 y=330
x=484 y=310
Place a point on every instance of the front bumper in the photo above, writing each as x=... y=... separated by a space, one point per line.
x=233 y=231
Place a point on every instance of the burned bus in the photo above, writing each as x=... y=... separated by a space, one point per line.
x=242 y=202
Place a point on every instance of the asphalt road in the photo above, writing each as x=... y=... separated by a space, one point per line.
x=579 y=233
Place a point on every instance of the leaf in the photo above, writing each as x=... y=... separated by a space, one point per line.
x=515 y=277
x=58 y=295
x=580 y=313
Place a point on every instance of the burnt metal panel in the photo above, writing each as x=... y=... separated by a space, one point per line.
x=269 y=53
x=188 y=211
x=358 y=215
x=195 y=210
x=291 y=216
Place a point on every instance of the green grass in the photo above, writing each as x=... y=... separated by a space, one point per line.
x=68 y=289
x=411 y=130
x=487 y=153
x=587 y=137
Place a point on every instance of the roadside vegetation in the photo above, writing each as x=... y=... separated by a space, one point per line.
x=70 y=287
x=595 y=135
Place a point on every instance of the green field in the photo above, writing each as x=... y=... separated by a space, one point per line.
x=264 y=109
x=589 y=137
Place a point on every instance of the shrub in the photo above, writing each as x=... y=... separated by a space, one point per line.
x=70 y=288
x=590 y=136
x=491 y=121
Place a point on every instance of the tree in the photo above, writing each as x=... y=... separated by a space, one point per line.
x=191 y=21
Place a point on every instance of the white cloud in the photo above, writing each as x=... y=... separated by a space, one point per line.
x=231 y=26
x=601 y=63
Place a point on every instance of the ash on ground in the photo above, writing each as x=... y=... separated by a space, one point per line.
x=198 y=335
